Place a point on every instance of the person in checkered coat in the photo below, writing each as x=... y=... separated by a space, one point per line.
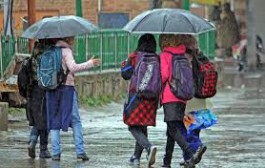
x=140 y=112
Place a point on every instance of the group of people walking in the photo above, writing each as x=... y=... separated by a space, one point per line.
x=140 y=110
x=50 y=111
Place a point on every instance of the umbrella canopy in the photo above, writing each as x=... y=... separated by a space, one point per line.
x=59 y=27
x=168 y=21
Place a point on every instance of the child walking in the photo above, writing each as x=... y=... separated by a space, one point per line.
x=140 y=108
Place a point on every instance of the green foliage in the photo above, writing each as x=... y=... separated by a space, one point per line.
x=96 y=101
x=15 y=110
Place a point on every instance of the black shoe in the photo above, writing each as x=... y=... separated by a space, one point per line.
x=56 y=157
x=167 y=161
x=31 y=150
x=182 y=163
x=134 y=160
x=152 y=155
x=199 y=152
x=83 y=157
x=190 y=163
x=185 y=166
x=45 y=154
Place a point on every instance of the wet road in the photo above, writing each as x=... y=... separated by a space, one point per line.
x=237 y=141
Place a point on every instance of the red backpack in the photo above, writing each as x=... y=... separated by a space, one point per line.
x=205 y=76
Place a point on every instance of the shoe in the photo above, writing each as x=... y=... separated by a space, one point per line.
x=199 y=152
x=167 y=161
x=134 y=161
x=182 y=163
x=56 y=157
x=190 y=163
x=166 y=166
x=31 y=150
x=83 y=157
x=152 y=155
x=185 y=166
x=45 y=154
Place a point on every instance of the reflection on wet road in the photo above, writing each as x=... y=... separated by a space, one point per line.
x=237 y=141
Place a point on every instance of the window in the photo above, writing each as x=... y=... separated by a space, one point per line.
x=113 y=20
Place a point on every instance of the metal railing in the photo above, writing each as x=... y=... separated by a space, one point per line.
x=7 y=51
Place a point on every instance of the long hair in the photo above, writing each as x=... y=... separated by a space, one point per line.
x=167 y=40
x=147 y=43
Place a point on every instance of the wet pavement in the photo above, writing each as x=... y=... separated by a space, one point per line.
x=237 y=141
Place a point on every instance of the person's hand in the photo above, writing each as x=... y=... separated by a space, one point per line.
x=188 y=118
x=123 y=63
x=95 y=61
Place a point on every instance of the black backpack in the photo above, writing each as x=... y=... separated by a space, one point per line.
x=23 y=77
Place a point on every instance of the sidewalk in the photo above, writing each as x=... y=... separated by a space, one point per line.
x=237 y=141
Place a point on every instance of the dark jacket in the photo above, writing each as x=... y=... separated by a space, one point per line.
x=36 y=103
x=36 y=108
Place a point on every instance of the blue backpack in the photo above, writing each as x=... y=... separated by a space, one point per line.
x=50 y=72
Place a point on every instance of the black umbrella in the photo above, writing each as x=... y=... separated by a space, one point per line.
x=58 y=27
x=168 y=21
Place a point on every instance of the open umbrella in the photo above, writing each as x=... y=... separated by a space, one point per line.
x=168 y=21
x=59 y=27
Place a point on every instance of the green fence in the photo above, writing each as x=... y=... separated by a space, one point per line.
x=111 y=46
x=8 y=51
x=207 y=43
x=22 y=45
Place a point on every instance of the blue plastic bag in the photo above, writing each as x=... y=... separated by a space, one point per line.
x=202 y=119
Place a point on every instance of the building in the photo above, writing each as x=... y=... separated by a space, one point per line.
x=105 y=13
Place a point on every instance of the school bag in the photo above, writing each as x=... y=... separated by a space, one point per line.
x=205 y=76
x=181 y=82
x=50 y=72
x=23 y=77
x=146 y=78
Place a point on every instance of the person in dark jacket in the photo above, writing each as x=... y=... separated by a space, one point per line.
x=36 y=107
x=135 y=107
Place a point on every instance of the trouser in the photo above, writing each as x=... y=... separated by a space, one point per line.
x=43 y=134
x=77 y=132
x=193 y=139
x=176 y=132
x=140 y=135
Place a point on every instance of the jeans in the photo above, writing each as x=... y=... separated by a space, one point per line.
x=43 y=134
x=140 y=134
x=77 y=132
